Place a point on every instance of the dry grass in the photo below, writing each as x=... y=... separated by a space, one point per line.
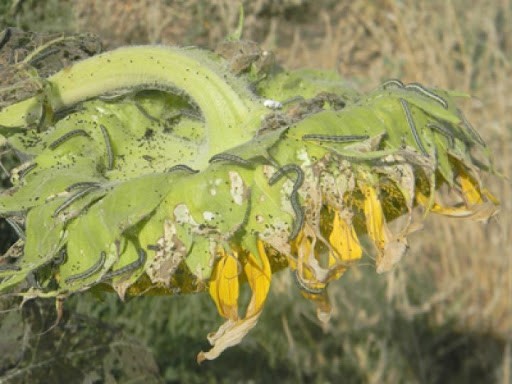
x=448 y=44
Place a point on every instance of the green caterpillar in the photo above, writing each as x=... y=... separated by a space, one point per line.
x=187 y=181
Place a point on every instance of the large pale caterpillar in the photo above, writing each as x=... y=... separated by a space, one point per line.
x=178 y=204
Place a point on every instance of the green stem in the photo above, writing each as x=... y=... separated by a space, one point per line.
x=230 y=110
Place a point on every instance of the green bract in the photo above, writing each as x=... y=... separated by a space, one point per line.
x=156 y=170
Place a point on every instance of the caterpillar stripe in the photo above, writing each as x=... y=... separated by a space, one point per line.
x=42 y=118
x=26 y=170
x=392 y=83
x=472 y=131
x=412 y=126
x=16 y=227
x=43 y=55
x=439 y=128
x=127 y=268
x=425 y=92
x=334 y=138
x=294 y=196
x=230 y=158
x=67 y=136
x=82 y=184
x=60 y=258
x=146 y=114
x=181 y=167
x=304 y=286
x=73 y=198
x=108 y=145
x=89 y=272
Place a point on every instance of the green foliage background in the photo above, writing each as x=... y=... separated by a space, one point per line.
x=409 y=326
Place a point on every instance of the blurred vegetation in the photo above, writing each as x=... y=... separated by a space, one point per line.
x=443 y=316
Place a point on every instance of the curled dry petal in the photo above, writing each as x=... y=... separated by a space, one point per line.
x=230 y=333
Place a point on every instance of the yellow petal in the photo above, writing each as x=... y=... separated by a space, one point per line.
x=470 y=190
x=439 y=209
x=389 y=248
x=224 y=285
x=479 y=212
x=259 y=277
x=343 y=239
x=233 y=331
x=375 y=224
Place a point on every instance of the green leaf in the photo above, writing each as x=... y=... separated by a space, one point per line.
x=44 y=238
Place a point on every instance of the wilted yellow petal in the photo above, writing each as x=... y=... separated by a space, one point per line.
x=470 y=190
x=232 y=332
x=304 y=252
x=375 y=224
x=390 y=249
x=479 y=212
x=224 y=285
x=343 y=239
x=259 y=277
x=309 y=274
x=346 y=246
x=436 y=208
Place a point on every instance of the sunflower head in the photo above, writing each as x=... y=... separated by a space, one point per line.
x=202 y=185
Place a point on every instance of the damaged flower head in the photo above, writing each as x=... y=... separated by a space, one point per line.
x=155 y=170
